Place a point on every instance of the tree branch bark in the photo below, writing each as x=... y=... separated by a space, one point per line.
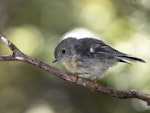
x=17 y=55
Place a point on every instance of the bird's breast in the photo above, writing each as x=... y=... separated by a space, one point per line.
x=70 y=64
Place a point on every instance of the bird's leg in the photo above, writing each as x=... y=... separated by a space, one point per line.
x=77 y=76
x=95 y=83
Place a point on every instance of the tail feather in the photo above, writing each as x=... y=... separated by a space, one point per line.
x=129 y=58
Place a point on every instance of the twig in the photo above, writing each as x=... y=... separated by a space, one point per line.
x=19 y=56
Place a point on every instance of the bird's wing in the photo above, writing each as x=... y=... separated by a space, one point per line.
x=90 y=48
x=93 y=47
x=109 y=52
x=104 y=49
x=106 y=52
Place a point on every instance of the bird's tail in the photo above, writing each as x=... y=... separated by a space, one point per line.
x=129 y=58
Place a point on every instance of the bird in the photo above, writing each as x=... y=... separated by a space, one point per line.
x=83 y=54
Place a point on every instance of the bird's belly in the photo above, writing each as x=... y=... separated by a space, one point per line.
x=92 y=69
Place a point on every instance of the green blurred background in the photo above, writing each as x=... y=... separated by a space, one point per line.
x=36 y=26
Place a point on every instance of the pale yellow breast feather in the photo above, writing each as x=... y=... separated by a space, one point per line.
x=71 y=64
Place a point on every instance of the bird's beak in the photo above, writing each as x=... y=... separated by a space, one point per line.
x=55 y=60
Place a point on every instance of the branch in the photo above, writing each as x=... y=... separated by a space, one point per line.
x=17 y=55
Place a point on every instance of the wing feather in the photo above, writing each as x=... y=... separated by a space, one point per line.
x=113 y=53
x=93 y=48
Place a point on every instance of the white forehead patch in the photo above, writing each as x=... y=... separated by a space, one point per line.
x=79 y=33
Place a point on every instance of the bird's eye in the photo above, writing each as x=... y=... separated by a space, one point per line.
x=63 y=51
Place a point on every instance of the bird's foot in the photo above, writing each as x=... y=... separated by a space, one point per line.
x=96 y=84
x=77 y=76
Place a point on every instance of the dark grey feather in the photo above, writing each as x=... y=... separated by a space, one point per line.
x=92 y=47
